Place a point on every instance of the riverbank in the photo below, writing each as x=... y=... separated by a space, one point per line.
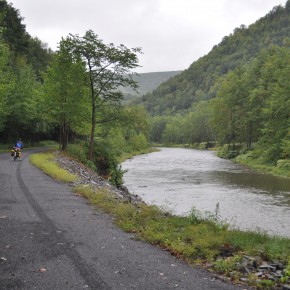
x=282 y=168
x=239 y=257
x=254 y=160
x=178 y=179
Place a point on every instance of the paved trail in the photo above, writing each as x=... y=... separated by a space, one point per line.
x=52 y=239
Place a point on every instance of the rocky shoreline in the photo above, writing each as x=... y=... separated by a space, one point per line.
x=249 y=267
x=89 y=177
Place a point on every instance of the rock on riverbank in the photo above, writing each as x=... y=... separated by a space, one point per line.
x=87 y=176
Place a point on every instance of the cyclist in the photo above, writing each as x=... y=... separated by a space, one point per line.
x=18 y=147
x=19 y=144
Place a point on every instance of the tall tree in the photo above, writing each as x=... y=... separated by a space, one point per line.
x=21 y=110
x=109 y=67
x=197 y=128
x=14 y=32
x=7 y=82
x=39 y=55
x=275 y=87
x=65 y=93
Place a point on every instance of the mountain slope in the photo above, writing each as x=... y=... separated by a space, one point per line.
x=195 y=83
x=147 y=82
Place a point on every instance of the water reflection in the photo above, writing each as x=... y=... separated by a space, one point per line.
x=179 y=179
x=251 y=180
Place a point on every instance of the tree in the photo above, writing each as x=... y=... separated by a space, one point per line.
x=197 y=127
x=65 y=93
x=14 y=32
x=225 y=107
x=7 y=82
x=274 y=84
x=157 y=126
x=22 y=115
x=173 y=132
x=39 y=56
x=109 y=67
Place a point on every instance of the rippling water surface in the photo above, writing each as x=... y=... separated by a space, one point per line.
x=180 y=179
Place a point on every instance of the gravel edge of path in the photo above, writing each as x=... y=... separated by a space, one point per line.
x=87 y=176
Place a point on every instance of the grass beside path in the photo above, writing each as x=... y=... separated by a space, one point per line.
x=45 y=161
x=198 y=239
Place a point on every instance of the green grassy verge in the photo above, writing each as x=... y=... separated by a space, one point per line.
x=274 y=170
x=45 y=161
x=198 y=239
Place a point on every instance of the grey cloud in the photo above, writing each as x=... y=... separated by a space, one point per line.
x=171 y=33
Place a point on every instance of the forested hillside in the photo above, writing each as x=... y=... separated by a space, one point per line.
x=241 y=47
x=237 y=97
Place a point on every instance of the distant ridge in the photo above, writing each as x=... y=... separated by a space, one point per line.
x=147 y=83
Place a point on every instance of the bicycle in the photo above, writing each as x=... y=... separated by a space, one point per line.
x=16 y=153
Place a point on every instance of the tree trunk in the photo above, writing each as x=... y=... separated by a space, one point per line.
x=64 y=136
x=250 y=135
x=92 y=137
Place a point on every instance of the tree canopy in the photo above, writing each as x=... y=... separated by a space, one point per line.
x=109 y=67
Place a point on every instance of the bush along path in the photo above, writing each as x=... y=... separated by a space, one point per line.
x=246 y=258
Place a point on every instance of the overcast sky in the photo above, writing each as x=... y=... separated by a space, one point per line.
x=172 y=33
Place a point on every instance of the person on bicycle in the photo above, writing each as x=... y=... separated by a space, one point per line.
x=19 y=145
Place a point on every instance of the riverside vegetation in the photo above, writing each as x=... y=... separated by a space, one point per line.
x=237 y=96
x=248 y=258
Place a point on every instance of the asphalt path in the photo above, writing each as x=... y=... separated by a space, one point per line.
x=52 y=239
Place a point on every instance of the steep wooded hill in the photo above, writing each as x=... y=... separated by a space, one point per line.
x=195 y=83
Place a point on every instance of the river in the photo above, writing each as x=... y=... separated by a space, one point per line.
x=177 y=180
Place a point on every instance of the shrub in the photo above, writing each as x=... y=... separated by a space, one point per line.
x=271 y=154
x=138 y=142
x=283 y=164
x=80 y=151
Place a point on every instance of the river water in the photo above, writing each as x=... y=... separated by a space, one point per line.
x=179 y=179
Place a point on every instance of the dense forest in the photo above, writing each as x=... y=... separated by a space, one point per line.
x=241 y=47
x=70 y=95
x=237 y=97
